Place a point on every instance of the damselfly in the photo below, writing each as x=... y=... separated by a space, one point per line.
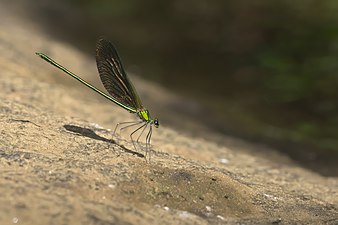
x=121 y=90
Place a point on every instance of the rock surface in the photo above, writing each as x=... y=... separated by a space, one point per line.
x=58 y=166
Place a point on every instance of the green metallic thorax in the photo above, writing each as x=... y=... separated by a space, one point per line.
x=144 y=115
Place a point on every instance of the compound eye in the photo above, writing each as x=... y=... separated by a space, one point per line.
x=156 y=123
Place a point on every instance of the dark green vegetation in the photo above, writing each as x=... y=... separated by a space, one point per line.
x=267 y=69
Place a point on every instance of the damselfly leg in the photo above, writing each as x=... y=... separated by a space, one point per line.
x=143 y=127
x=131 y=135
x=148 y=137
x=132 y=123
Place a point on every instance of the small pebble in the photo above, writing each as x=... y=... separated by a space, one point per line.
x=15 y=220
x=224 y=161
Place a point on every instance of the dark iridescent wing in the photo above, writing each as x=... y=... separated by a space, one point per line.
x=114 y=77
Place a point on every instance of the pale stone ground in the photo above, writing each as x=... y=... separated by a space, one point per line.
x=59 y=163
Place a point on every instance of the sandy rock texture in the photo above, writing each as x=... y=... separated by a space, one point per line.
x=60 y=164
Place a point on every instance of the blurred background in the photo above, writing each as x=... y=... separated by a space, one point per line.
x=266 y=71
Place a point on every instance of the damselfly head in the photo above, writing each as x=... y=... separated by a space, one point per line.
x=156 y=123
